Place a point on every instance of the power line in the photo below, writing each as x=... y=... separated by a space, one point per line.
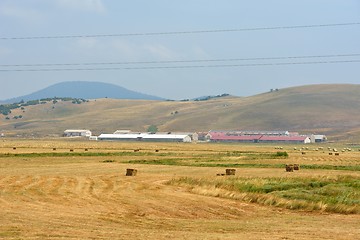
x=182 y=61
x=183 y=32
x=179 y=67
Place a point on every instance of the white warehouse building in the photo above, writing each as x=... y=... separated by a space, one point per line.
x=77 y=133
x=146 y=137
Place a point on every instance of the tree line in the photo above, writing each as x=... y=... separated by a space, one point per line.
x=5 y=109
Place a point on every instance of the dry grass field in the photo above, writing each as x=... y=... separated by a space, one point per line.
x=48 y=192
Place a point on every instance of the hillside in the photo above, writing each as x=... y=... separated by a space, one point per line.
x=86 y=90
x=324 y=109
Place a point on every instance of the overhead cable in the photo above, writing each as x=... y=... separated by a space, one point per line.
x=182 y=32
x=182 y=61
x=178 y=67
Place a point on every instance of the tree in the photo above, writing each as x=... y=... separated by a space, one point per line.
x=152 y=129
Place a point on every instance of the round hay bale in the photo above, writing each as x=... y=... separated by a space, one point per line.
x=230 y=171
x=297 y=167
x=131 y=172
x=289 y=167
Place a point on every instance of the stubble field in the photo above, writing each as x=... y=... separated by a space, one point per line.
x=50 y=192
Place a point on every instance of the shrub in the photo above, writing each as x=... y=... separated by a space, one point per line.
x=108 y=161
x=281 y=154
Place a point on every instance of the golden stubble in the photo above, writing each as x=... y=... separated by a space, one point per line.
x=85 y=197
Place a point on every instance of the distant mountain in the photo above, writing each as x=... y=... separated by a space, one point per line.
x=86 y=90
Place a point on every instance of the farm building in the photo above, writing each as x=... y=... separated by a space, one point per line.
x=193 y=135
x=256 y=136
x=77 y=133
x=145 y=137
x=250 y=133
x=223 y=137
x=93 y=138
x=267 y=133
x=318 y=138
x=122 y=131
x=202 y=136
x=167 y=138
x=285 y=139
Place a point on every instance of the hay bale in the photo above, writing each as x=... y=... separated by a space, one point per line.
x=230 y=171
x=297 y=167
x=131 y=172
x=289 y=167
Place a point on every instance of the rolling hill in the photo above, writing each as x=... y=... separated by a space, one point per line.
x=324 y=109
x=86 y=90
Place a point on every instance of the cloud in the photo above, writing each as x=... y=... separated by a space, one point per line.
x=87 y=43
x=124 y=48
x=160 y=51
x=4 y=51
x=83 y=5
x=19 y=12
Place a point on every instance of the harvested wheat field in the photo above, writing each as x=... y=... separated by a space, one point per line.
x=50 y=192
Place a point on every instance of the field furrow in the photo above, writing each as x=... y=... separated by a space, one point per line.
x=177 y=194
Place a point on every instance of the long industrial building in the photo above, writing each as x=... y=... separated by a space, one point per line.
x=262 y=137
x=146 y=137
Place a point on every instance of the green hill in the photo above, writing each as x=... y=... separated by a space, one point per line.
x=324 y=109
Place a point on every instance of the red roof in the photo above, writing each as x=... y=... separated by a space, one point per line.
x=283 y=138
x=224 y=137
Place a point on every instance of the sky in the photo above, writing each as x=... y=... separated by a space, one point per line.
x=134 y=22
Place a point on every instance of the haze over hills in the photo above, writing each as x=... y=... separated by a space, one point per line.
x=85 y=90
x=323 y=109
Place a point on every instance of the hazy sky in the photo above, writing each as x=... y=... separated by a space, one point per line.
x=38 y=18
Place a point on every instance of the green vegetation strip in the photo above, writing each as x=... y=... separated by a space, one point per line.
x=203 y=163
x=339 y=194
x=205 y=157
x=178 y=159
x=80 y=154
